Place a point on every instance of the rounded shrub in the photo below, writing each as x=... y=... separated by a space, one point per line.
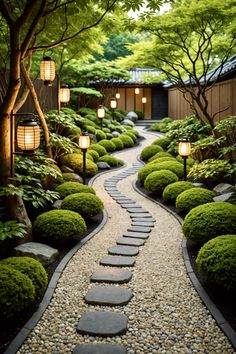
x=132 y=135
x=209 y=220
x=163 y=142
x=160 y=154
x=108 y=145
x=71 y=187
x=86 y=204
x=173 y=166
x=99 y=149
x=162 y=159
x=112 y=160
x=89 y=156
x=193 y=197
x=58 y=226
x=158 y=180
x=145 y=171
x=94 y=155
x=17 y=291
x=32 y=268
x=75 y=161
x=189 y=161
x=71 y=177
x=100 y=135
x=90 y=129
x=127 y=140
x=150 y=151
x=172 y=191
x=119 y=145
x=217 y=260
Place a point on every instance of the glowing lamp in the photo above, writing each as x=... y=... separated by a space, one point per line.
x=64 y=94
x=28 y=136
x=47 y=70
x=184 y=147
x=117 y=95
x=144 y=99
x=113 y=103
x=136 y=91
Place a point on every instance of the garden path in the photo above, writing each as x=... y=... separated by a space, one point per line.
x=162 y=309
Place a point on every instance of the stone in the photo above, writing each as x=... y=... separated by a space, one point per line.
x=104 y=324
x=130 y=241
x=118 y=261
x=142 y=223
x=75 y=178
x=124 y=203
x=223 y=197
x=222 y=188
x=137 y=210
x=199 y=184
x=105 y=275
x=115 y=134
x=108 y=296
x=43 y=253
x=103 y=165
x=143 y=220
x=131 y=205
x=57 y=204
x=141 y=235
x=66 y=169
x=132 y=115
x=127 y=122
x=123 y=250
x=141 y=215
x=139 y=229
x=99 y=348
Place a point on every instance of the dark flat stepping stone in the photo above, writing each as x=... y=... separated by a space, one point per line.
x=140 y=215
x=123 y=200
x=128 y=205
x=125 y=203
x=105 y=275
x=108 y=296
x=142 y=223
x=113 y=189
x=139 y=229
x=143 y=220
x=104 y=324
x=99 y=349
x=130 y=241
x=136 y=235
x=123 y=250
x=118 y=261
x=137 y=210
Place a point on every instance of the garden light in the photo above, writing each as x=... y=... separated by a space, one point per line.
x=117 y=95
x=144 y=99
x=113 y=104
x=101 y=113
x=136 y=91
x=84 y=142
x=184 y=150
x=64 y=94
x=47 y=71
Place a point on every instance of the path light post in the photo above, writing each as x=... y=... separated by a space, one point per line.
x=144 y=101
x=184 y=150
x=113 y=105
x=117 y=95
x=84 y=142
x=101 y=113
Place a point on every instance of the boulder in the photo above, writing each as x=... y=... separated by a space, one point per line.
x=132 y=116
x=128 y=122
x=198 y=184
x=103 y=165
x=57 y=204
x=223 y=197
x=115 y=134
x=43 y=253
x=66 y=169
x=222 y=188
x=75 y=178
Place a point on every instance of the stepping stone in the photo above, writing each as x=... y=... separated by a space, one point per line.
x=123 y=250
x=114 y=189
x=108 y=296
x=99 y=349
x=142 y=223
x=123 y=200
x=118 y=276
x=139 y=229
x=124 y=203
x=137 y=210
x=118 y=261
x=143 y=220
x=141 y=215
x=104 y=324
x=128 y=205
x=141 y=235
x=115 y=194
x=130 y=241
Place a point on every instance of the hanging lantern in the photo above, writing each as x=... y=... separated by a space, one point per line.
x=184 y=148
x=47 y=70
x=144 y=99
x=64 y=94
x=136 y=91
x=117 y=95
x=101 y=112
x=28 y=136
x=113 y=103
x=84 y=141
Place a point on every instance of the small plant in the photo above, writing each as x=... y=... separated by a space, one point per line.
x=193 y=197
x=118 y=143
x=158 y=180
x=150 y=151
x=75 y=161
x=100 y=135
x=112 y=160
x=127 y=140
x=217 y=260
x=99 y=149
x=11 y=229
x=172 y=191
x=108 y=145
x=71 y=187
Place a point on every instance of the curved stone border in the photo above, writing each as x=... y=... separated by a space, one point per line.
x=214 y=311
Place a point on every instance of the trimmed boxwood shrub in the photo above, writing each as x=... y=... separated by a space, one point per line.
x=150 y=151
x=88 y=156
x=99 y=149
x=17 y=291
x=94 y=155
x=108 y=145
x=71 y=187
x=173 y=166
x=86 y=204
x=112 y=160
x=127 y=140
x=193 y=197
x=100 y=135
x=75 y=161
x=158 y=180
x=160 y=154
x=162 y=159
x=32 y=268
x=135 y=132
x=163 y=142
x=118 y=143
x=145 y=171
x=90 y=129
x=172 y=191
x=209 y=220
x=217 y=260
x=56 y=227
x=132 y=135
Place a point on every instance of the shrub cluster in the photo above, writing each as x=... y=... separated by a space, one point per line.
x=118 y=143
x=172 y=191
x=99 y=149
x=156 y=181
x=108 y=145
x=75 y=161
x=71 y=187
x=126 y=140
x=193 y=197
x=150 y=151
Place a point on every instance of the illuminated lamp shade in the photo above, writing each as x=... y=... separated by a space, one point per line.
x=117 y=95
x=144 y=99
x=64 y=94
x=136 y=91
x=47 y=70
x=113 y=103
x=184 y=147
x=101 y=112
x=28 y=136
x=84 y=142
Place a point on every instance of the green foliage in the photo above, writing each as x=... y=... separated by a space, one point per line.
x=225 y=132
x=62 y=123
x=94 y=155
x=86 y=204
x=162 y=141
x=172 y=191
x=84 y=111
x=161 y=159
x=56 y=227
x=61 y=145
x=132 y=135
x=160 y=154
x=170 y=165
x=71 y=187
x=209 y=220
x=189 y=161
x=17 y=291
x=127 y=140
x=108 y=145
x=75 y=161
x=150 y=151
x=87 y=91
x=193 y=197
x=119 y=145
x=100 y=135
x=156 y=181
x=217 y=260
x=206 y=148
x=11 y=229
x=145 y=171
x=112 y=160
x=99 y=149
x=90 y=129
x=70 y=177
x=32 y=268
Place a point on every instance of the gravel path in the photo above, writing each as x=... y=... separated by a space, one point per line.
x=164 y=316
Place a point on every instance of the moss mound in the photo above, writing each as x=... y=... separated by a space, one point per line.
x=172 y=191
x=145 y=171
x=86 y=204
x=217 y=260
x=173 y=166
x=156 y=181
x=112 y=160
x=17 y=291
x=99 y=149
x=32 y=268
x=100 y=135
x=127 y=140
x=56 y=227
x=75 y=161
x=161 y=159
x=150 y=151
x=94 y=155
x=209 y=220
x=131 y=135
x=108 y=145
x=71 y=187
x=163 y=142
x=193 y=197
x=119 y=145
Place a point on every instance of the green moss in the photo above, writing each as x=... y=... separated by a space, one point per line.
x=127 y=140
x=32 y=268
x=108 y=145
x=209 y=220
x=150 y=151
x=90 y=129
x=131 y=135
x=112 y=160
x=75 y=161
x=156 y=181
x=173 y=166
x=17 y=291
x=86 y=204
x=71 y=187
x=172 y=191
x=100 y=135
x=119 y=145
x=217 y=260
x=99 y=149
x=161 y=159
x=193 y=197
x=163 y=142
x=56 y=227
x=94 y=155
x=160 y=154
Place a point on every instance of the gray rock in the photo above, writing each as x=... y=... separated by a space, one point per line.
x=141 y=235
x=57 y=204
x=115 y=134
x=123 y=250
x=198 y=184
x=99 y=348
x=139 y=229
x=128 y=241
x=108 y=296
x=132 y=116
x=222 y=188
x=142 y=223
x=118 y=276
x=103 y=165
x=66 y=169
x=43 y=253
x=75 y=178
x=223 y=197
x=128 y=122
x=118 y=261
x=137 y=209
